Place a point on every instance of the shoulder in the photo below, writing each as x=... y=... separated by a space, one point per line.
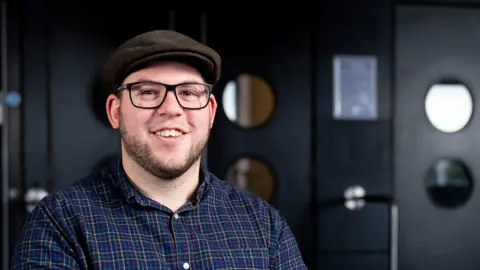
x=231 y=194
x=248 y=205
x=263 y=218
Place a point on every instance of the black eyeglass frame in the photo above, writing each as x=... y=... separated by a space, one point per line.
x=169 y=87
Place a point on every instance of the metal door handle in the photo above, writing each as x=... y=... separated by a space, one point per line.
x=34 y=196
x=393 y=236
x=355 y=198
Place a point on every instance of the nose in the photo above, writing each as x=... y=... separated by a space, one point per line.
x=170 y=105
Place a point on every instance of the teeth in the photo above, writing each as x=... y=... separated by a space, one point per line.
x=169 y=133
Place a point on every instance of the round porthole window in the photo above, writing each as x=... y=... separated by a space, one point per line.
x=449 y=183
x=248 y=101
x=252 y=175
x=449 y=107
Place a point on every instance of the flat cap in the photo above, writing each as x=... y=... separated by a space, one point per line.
x=159 y=45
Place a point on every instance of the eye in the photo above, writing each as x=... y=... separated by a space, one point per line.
x=188 y=93
x=147 y=92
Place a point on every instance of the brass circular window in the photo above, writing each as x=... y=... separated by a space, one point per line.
x=248 y=101
x=252 y=175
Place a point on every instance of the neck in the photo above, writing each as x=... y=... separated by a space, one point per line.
x=171 y=193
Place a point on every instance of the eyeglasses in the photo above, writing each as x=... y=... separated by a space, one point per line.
x=150 y=95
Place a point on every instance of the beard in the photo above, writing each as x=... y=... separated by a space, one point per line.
x=143 y=155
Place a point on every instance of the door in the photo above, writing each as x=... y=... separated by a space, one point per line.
x=262 y=136
x=353 y=153
x=437 y=136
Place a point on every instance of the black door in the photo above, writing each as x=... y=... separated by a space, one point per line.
x=262 y=136
x=436 y=137
x=352 y=164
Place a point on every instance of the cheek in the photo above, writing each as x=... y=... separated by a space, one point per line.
x=132 y=121
x=200 y=121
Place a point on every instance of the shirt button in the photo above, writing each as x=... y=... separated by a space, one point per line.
x=175 y=216
x=186 y=266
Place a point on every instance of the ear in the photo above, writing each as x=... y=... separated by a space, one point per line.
x=213 y=109
x=113 y=110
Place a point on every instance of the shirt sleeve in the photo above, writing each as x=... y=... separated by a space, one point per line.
x=43 y=244
x=287 y=254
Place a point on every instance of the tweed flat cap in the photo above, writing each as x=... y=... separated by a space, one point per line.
x=158 y=45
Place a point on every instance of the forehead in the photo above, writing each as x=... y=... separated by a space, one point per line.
x=168 y=72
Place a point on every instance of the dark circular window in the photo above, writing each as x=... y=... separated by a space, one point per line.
x=449 y=183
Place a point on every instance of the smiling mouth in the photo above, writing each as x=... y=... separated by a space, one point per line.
x=169 y=133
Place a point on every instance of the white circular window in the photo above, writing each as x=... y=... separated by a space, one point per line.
x=449 y=107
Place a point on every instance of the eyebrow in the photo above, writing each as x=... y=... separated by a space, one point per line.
x=143 y=79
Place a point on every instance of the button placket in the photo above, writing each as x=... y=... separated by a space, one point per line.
x=179 y=235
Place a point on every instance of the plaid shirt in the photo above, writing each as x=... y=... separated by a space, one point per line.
x=103 y=222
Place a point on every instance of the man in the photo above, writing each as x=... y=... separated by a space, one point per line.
x=156 y=207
